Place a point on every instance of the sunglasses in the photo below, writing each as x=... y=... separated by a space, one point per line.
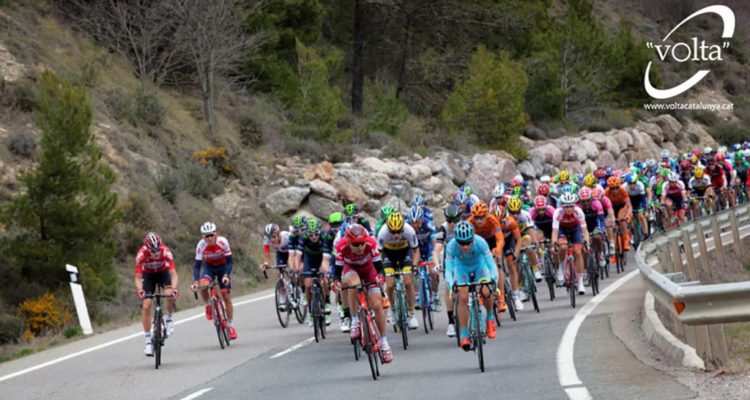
x=453 y=221
x=357 y=244
x=209 y=235
x=477 y=218
x=398 y=232
x=464 y=244
x=568 y=207
x=155 y=251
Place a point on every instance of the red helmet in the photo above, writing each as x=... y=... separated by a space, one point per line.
x=685 y=164
x=152 y=241
x=600 y=173
x=543 y=190
x=584 y=194
x=720 y=157
x=540 y=202
x=515 y=182
x=356 y=234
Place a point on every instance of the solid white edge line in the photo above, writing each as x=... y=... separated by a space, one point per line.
x=113 y=342
x=295 y=347
x=197 y=394
x=578 y=393
x=566 y=368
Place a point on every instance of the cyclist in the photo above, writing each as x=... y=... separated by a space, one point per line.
x=718 y=181
x=385 y=211
x=426 y=232
x=464 y=204
x=498 y=196
x=352 y=216
x=399 y=245
x=594 y=213
x=154 y=265
x=621 y=206
x=214 y=250
x=729 y=175
x=277 y=240
x=700 y=187
x=568 y=222
x=310 y=250
x=335 y=220
x=419 y=201
x=528 y=233
x=359 y=261
x=444 y=236
x=468 y=253
x=637 y=193
x=299 y=224
x=511 y=250
x=674 y=195
x=487 y=226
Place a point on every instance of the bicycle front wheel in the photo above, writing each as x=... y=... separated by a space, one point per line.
x=217 y=323
x=300 y=312
x=572 y=286
x=279 y=293
x=156 y=340
x=368 y=344
x=549 y=276
x=478 y=337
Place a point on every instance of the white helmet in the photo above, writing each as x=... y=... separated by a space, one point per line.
x=208 y=227
x=673 y=177
x=665 y=153
x=544 y=179
x=498 y=191
x=568 y=199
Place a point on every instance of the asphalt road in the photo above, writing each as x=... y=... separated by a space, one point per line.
x=526 y=361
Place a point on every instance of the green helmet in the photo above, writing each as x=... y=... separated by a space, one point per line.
x=738 y=155
x=351 y=209
x=313 y=226
x=335 y=218
x=298 y=221
x=517 y=191
x=635 y=171
x=664 y=172
x=385 y=211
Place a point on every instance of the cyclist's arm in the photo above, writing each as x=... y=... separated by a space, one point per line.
x=266 y=254
x=450 y=267
x=197 y=269
x=230 y=264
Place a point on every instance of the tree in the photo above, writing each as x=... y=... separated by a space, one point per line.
x=357 y=67
x=211 y=36
x=67 y=212
x=489 y=103
x=627 y=63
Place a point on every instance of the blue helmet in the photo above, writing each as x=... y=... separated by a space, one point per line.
x=608 y=171
x=461 y=197
x=567 y=189
x=415 y=214
x=638 y=165
x=464 y=231
x=418 y=201
x=629 y=178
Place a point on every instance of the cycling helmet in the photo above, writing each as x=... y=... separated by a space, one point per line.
x=568 y=199
x=336 y=218
x=738 y=155
x=152 y=241
x=608 y=171
x=479 y=210
x=673 y=177
x=514 y=205
x=567 y=189
x=564 y=176
x=638 y=165
x=597 y=193
x=419 y=201
x=498 y=191
x=351 y=209
x=540 y=202
x=385 y=211
x=415 y=214
x=452 y=213
x=664 y=154
x=313 y=227
x=298 y=221
x=356 y=233
x=720 y=158
x=395 y=221
x=600 y=173
x=466 y=189
x=208 y=227
x=707 y=150
x=635 y=171
x=664 y=172
x=745 y=145
x=517 y=191
x=613 y=182
x=650 y=163
x=515 y=182
x=736 y=147
x=710 y=161
x=463 y=232
x=617 y=173
x=589 y=180
x=747 y=153
x=685 y=164
x=543 y=190
x=693 y=159
x=584 y=194
x=544 y=179
x=271 y=230
x=461 y=197
x=698 y=173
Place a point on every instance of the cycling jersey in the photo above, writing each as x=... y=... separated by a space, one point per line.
x=425 y=238
x=619 y=197
x=523 y=219
x=147 y=263
x=283 y=245
x=543 y=222
x=594 y=214
x=444 y=234
x=606 y=204
x=218 y=259
x=637 y=195
x=367 y=265
x=490 y=231
x=478 y=260
x=562 y=219
x=716 y=173
x=673 y=190
x=699 y=186
x=312 y=253
x=405 y=240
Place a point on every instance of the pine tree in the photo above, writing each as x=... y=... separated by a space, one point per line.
x=67 y=212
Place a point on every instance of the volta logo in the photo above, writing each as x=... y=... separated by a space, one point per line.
x=694 y=50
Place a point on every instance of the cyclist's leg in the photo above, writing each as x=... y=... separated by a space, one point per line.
x=526 y=240
x=374 y=298
x=226 y=294
x=351 y=278
x=406 y=269
x=148 y=286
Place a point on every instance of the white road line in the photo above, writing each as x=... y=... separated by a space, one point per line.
x=291 y=349
x=197 y=394
x=113 y=342
x=566 y=368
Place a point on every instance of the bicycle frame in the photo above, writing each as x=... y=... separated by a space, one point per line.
x=400 y=305
x=369 y=337
x=159 y=335
x=220 y=320
x=476 y=320
x=317 y=307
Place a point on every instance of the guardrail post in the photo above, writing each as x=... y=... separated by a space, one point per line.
x=674 y=248
x=719 y=355
x=718 y=248
x=665 y=258
x=736 y=234
x=692 y=271
x=701 y=238
x=702 y=344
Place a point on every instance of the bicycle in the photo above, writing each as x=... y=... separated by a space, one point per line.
x=548 y=270
x=599 y=242
x=218 y=308
x=158 y=326
x=476 y=320
x=619 y=245
x=286 y=286
x=592 y=271
x=425 y=294
x=508 y=292
x=527 y=276
x=317 y=307
x=369 y=335
x=571 y=276
x=400 y=306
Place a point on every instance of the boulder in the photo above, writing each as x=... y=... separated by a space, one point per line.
x=309 y=175
x=400 y=188
x=434 y=166
x=374 y=164
x=548 y=153
x=671 y=147
x=592 y=150
x=431 y=184
x=589 y=166
x=538 y=165
x=533 y=132
x=651 y=129
x=324 y=189
x=549 y=169
x=373 y=184
x=574 y=167
x=612 y=146
x=623 y=138
x=527 y=169
x=669 y=125
x=447 y=188
x=372 y=206
x=622 y=162
x=419 y=173
x=694 y=135
x=599 y=138
x=287 y=199
x=605 y=159
x=577 y=152
x=324 y=171
x=644 y=147
x=451 y=167
x=349 y=192
x=322 y=207
x=487 y=170
x=396 y=202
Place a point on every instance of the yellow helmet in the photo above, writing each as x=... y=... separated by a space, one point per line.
x=564 y=176
x=514 y=204
x=395 y=221
x=589 y=180
x=698 y=173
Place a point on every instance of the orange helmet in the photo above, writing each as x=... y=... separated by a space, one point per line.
x=479 y=210
x=613 y=181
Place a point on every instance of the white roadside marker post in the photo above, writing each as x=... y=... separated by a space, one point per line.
x=81 y=310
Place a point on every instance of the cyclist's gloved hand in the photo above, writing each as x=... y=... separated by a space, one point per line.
x=168 y=291
x=379 y=278
x=225 y=279
x=140 y=293
x=263 y=267
x=335 y=286
x=194 y=286
x=176 y=293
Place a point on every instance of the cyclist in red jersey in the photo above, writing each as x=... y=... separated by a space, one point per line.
x=358 y=261
x=154 y=265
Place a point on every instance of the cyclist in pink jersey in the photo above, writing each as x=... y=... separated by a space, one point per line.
x=570 y=221
x=609 y=218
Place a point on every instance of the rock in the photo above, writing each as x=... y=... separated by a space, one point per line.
x=599 y=138
x=419 y=172
x=527 y=169
x=670 y=127
x=589 y=166
x=400 y=189
x=287 y=199
x=533 y=132
x=396 y=203
x=280 y=182
x=393 y=169
x=322 y=207
x=549 y=169
x=372 y=206
x=605 y=160
x=548 y=153
x=324 y=171
x=644 y=147
x=623 y=138
x=577 y=152
x=574 y=167
x=432 y=184
x=612 y=146
x=349 y=192
x=622 y=162
x=487 y=171
x=592 y=151
x=651 y=129
x=374 y=164
x=694 y=135
x=375 y=185
x=671 y=147
x=538 y=165
x=301 y=182
x=309 y=175
x=447 y=188
x=233 y=204
x=451 y=167
x=324 y=189
x=434 y=166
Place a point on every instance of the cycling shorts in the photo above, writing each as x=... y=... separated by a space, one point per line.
x=574 y=235
x=393 y=259
x=211 y=273
x=510 y=245
x=282 y=258
x=311 y=264
x=151 y=280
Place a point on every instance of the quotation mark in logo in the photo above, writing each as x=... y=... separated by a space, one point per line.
x=694 y=50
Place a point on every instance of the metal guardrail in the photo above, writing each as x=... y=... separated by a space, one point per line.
x=669 y=265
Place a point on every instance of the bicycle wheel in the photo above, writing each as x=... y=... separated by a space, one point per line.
x=509 y=299
x=156 y=340
x=549 y=276
x=357 y=349
x=530 y=285
x=224 y=322
x=283 y=315
x=300 y=312
x=217 y=322
x=456 y=324
x=569 y=264
x=478 y=337
x=403 y=317
x=368 y=343
x=591 y=267
x=425 y=307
